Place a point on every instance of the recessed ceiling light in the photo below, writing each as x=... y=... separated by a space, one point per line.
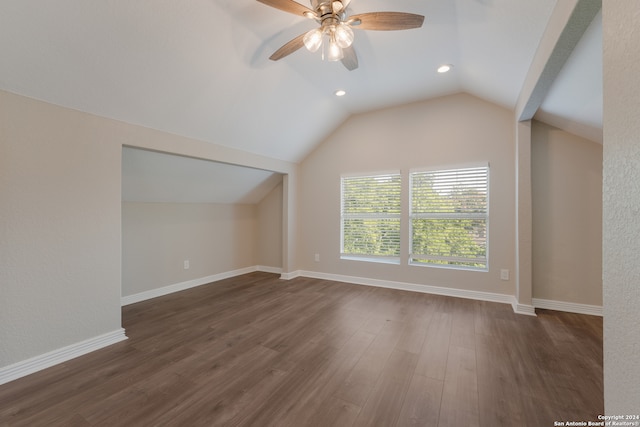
x=444 y=68
x=340 y=92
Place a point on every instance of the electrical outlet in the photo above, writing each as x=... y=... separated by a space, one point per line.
x=504 y=274
x=186 y=264
x=317 y=257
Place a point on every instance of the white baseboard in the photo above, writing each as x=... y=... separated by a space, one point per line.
x=266 y=269
x=426 y=289
x=527 y=310
x=291 y=275
x=571 y=307
x=43 y=361
x=177 y=287
x=524 y=309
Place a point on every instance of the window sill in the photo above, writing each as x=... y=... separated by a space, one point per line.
x=378 y=260
x=450 y=267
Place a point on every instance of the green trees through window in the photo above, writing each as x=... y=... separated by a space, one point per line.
x=448 y=217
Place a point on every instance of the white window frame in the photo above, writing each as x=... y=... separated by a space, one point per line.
x=414 y=257
x=386 y=259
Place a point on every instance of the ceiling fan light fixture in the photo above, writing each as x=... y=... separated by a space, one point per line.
x=340 y=92
x=335 y=32
x=313 y=40
x=344 y=35
x=444 y=68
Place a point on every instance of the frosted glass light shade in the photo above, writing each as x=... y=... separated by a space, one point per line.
x=344 y=35
x=334 y=52
x=313 y=40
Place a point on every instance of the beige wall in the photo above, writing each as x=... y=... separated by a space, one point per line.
x=450 y=131
x=269 y=242
x=567 y=216
x=59 y=228
x=158 y=237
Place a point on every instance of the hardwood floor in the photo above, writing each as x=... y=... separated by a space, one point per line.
x=258 y=351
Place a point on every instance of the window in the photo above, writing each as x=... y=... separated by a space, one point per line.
x=449 y=217
x=370 y=217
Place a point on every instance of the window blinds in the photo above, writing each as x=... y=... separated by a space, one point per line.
x=449 y=217
x=370 y=216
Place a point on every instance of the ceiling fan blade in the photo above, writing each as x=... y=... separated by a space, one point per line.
x=288 y=48
x=350 y=59
x=386 y=21
x=290 y=6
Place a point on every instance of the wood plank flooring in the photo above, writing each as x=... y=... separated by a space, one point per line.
x=258 y=351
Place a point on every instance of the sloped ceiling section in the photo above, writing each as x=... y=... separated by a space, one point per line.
x=157 y=177
x=182 y=67
x=574 y=100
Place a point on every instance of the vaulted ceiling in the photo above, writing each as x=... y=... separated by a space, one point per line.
x=201 y=69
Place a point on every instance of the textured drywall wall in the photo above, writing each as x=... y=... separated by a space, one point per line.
x=269 y=245
x=59 y=228
x=157 y=238
x=444 y=132
x=567 y=216
x=621 y=206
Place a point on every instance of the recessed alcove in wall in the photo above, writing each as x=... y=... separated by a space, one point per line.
x=566 y=165
x=188 y=221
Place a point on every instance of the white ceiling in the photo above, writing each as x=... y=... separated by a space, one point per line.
x=201 y=69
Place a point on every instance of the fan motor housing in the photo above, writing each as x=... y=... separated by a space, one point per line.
x=322 y=7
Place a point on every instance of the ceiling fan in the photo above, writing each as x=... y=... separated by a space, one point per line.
x=335 y=34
